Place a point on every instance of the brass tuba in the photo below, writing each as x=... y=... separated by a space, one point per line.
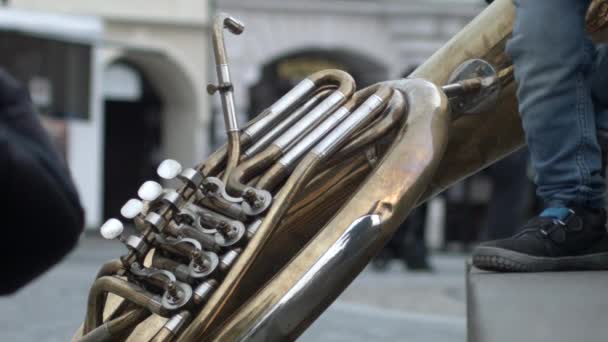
x=258 y=240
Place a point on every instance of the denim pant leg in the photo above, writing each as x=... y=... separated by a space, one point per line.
x=599 y=92
x=553 y=57
x=599 y=83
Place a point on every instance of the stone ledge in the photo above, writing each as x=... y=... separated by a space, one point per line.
x=537 y=307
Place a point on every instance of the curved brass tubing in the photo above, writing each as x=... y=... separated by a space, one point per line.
x=234 y=154
x=252 y=167
x=299 y=178
x=396 y=112
x=121 y=288
x=277 y=172
x=213 y=164
x=345 y=83
x=296 y=95
x=110 y=268
x=302 y=174
x=113 y=329
x=293 y=117
x=293 y=299
x=223 y=21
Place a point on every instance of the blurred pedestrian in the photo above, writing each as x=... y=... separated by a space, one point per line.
x=511 y=197
x=561 y=77
x=41 y=215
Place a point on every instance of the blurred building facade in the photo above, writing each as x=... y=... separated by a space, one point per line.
x=150 y=62
x=147 y=70
x=373 y=40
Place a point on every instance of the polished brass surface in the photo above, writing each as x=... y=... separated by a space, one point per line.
x=308 y=223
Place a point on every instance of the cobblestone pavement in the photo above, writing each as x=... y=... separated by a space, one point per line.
x=378 y=306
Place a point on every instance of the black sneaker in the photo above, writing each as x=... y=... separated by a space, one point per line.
x=578 y=241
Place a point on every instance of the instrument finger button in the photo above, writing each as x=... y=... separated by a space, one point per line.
x=132 y=208
x=169 y=169
x=112 y=229
x=150 y=191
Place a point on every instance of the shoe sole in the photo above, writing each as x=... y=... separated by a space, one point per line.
x=504 y=260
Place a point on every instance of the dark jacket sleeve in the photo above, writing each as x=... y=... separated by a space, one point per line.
x=40 y=213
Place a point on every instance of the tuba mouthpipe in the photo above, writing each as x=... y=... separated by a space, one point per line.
x=224 y=21
x=121 y=288
x=223 y=72
x=225 y=87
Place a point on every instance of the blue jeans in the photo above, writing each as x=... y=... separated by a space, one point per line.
x=563 y=99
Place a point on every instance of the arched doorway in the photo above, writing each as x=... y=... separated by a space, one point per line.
x=132 y=133
x=282 y=73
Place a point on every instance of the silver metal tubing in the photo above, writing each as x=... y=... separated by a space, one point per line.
x=225 y=87
x=223 y=72
x=297 y=114
x=176 y=322
x=223 y=75
x=298 y=150
x=359 y=117
x=280 y=108
x=346 y=85
x=204 y=291
x=121 y=288
x=310 y=120
x=257 y=165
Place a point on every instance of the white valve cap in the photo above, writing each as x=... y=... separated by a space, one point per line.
x=149 y=191
x=132 y=208
x=111 y=229
x=169 y=169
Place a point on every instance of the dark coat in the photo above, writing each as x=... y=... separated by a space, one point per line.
x=40 y=214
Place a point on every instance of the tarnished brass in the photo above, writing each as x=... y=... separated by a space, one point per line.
x=306 y=209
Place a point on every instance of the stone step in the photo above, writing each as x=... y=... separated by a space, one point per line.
x=537 y=307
